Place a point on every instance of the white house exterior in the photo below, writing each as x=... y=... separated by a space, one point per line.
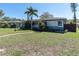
x=56 y=24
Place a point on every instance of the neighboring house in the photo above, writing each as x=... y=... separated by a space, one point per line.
x=77 y=23
x=54 y=24
x=22 y=25
x=17 y=23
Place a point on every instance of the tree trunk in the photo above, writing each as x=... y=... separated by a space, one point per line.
x=74 y=17
x=27 y=17
x=75 y=20
x=31 y=22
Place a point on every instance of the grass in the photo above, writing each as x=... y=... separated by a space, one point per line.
x=5 y=31
x=39 y=43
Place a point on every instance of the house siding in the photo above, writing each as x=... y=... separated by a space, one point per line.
x=36 y=27
x=53 y=25
x=55 y=28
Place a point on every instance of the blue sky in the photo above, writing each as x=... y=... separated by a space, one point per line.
x=57 y=9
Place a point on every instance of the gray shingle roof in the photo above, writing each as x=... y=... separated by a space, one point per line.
x=56 y=18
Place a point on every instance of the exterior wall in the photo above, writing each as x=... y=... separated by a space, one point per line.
x=77 y=25
x=36 y=26
x=53 y=25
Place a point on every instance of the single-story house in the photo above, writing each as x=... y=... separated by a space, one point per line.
x=54 y=24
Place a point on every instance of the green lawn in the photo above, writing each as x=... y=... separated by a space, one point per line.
x=5 y=31
x=39 y=43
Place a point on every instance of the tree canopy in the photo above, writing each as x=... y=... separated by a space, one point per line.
x=6 y=18
x=30 y=13
x=73 y=8
x=1 y=13
x=46 y=15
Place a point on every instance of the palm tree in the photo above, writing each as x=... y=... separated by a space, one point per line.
x=73 y=6
x=31 y=12
x=27 y=12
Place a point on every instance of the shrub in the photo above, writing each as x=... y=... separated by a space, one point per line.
x=4 y=25
x=12 y=25
x=42 y=25
x=7 y=25
x=66 y=30
x=27 y=24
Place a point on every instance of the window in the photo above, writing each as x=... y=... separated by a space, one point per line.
x=59 y=23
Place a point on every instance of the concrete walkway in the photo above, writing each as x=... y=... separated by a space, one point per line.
x=14 y=34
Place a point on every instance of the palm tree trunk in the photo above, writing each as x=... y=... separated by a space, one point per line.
x=31 y=22
x=27 y=17
x=74 y=17
x=75 y=20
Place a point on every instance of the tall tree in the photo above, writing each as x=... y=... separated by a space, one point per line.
x=6 y=18
x=73 y=7
x=46 y=15
x=31 y=12
x=27 y=12
x=1 y=13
